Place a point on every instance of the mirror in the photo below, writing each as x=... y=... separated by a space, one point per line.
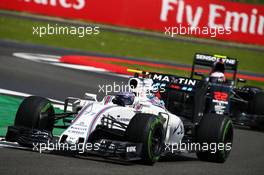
x=240 y=80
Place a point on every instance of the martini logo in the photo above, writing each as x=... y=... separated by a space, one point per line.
x=74 y=4
x=173 y=79
x=161 y=77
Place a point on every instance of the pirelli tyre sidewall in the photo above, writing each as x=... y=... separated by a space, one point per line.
x=215 y=129
x=35 y=112
x=148 y=130
x=33 y=123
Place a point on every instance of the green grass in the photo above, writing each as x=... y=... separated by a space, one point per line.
x=252 y=1
x=8 y=109
x=124 y=44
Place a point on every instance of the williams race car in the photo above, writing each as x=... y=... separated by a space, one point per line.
x=132 y=125
x=243 y=104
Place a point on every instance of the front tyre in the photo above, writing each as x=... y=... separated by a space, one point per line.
x=33 y=123
x=215 y=131
x=148 y=130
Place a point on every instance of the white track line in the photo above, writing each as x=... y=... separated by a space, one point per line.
x=54 y=60
x=80 y=67
x=57 y=104
x=37 y=57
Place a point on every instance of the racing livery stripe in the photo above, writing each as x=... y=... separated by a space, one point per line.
x=81 y=112
x=96 y=118
x=107 y=100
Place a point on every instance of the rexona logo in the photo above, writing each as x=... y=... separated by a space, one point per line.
x=75 y=4
x=173 y=79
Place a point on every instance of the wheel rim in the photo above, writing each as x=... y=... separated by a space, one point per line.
x=227 y=138
x=156 y=141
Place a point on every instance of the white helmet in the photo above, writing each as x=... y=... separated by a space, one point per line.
x=217 y=77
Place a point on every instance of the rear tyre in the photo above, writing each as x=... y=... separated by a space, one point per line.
x=215 y=131
x=148 y=130
x=34 y=114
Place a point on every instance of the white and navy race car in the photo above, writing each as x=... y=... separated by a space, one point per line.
x=131 y=125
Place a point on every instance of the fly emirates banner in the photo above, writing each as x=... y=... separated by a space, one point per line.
x=216 y=19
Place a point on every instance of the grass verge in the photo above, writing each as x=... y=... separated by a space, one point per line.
x=124 y=44
x=8 y=109
x=260 y=2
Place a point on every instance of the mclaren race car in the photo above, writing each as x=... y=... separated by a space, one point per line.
x=243 y=104
x=133 y=125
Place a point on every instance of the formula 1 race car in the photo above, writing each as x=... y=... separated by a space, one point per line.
x=130 y=125
x=243 y=104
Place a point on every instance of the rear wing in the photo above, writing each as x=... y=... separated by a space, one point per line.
x=209 y=60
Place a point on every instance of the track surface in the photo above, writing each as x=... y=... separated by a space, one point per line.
x=247 y=156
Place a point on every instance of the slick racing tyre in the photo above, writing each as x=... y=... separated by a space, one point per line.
x=215 y=131
x=33 y=123
x=35 y=112
x=148 y=130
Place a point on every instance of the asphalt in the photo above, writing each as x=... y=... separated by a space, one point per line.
x=247 y=156
x=46 y=80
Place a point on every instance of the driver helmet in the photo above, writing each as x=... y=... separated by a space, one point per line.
x=124 y=98
x=217 y=75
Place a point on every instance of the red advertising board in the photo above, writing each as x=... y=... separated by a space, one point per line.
x=207 y=18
